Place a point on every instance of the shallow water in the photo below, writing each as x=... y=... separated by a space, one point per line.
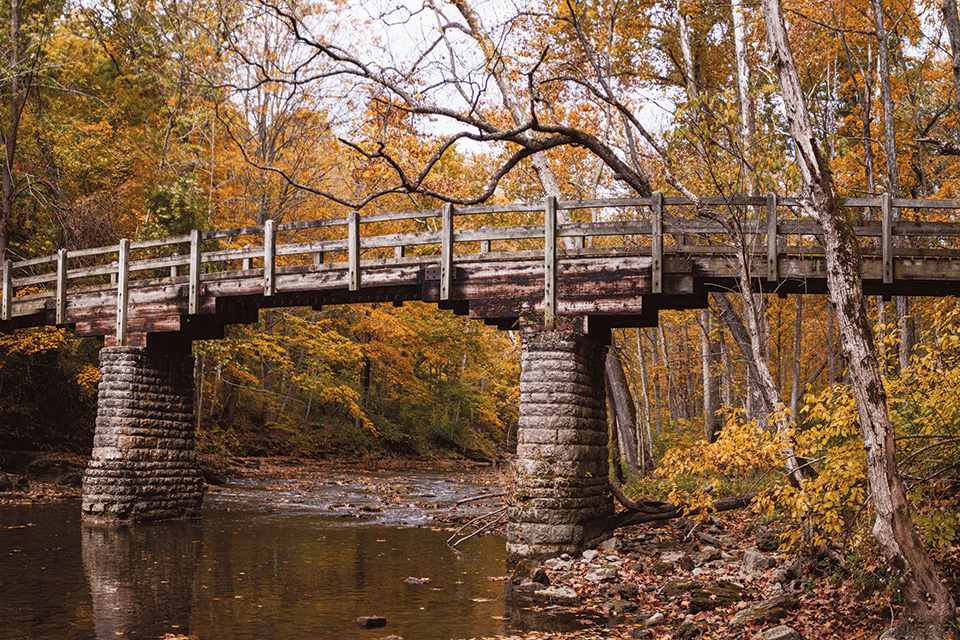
x=267 y=560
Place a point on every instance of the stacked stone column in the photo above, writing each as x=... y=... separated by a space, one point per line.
x=563 y=501
x=144 y=464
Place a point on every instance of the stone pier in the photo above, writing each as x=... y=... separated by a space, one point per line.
x=143 y=465
x=563 y=501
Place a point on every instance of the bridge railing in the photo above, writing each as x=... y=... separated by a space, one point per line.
x=644 y=225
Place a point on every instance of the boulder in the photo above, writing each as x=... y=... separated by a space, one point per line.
x=755 y=563
x=706 y=538
x=780 y=632
x=590 y=554
x=627 y=590
x=610 y=544
x=558 y=564
x=708 y=598
x=707 y=554
x=529 y=571
x=563 y=596
x=676 y=588
x=771 y=610
x=620 y=607
x=371 y=622
x=688 y=629
x=767 y=538
x=10 y=482
x=601 y=574
x=655 y=620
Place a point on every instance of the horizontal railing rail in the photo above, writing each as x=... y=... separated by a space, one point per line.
x=651 y=230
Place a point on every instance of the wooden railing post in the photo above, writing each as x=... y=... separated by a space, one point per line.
x=550 y=263
x=193 y=300
x=656 y=244
x=61 y=307
x=318 y=258
x=773 y=270
x=353 y=250
x=175 y=269
x=269 y=258
x=247 y=263
x=7 y=311
x=886 y=207
x=398 y=252
x=484 y=244
x=123 y=291
x=446 y=251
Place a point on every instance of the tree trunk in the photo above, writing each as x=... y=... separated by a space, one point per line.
x=795 y=389
x=892 y=162
x=646 y=441
x=928 y=606
x=18 y=89
x=655 y=353
x=711 y=378
x=952 y=22
x=671 y=378
x=623 y=408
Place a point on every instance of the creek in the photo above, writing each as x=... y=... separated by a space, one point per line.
x=285 y=559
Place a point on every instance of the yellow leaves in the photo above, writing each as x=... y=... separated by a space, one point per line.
x=34 y=341
x=88 y=376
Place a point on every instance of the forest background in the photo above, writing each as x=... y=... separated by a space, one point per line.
x=142 y=120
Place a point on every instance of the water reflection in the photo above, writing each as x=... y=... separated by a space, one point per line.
x=250 y=568
x=141 y=577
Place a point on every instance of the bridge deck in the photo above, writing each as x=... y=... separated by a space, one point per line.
x=617 y=271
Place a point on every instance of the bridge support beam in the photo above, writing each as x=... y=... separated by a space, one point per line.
x=563 y=501
x=143 y=465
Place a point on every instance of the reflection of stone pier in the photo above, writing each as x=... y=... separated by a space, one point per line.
x=562 y=502
x=141 y=578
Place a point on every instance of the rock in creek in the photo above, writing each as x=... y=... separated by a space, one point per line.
x=529 y=571
x=10 y=482
x=371 y=622
x=563 y=596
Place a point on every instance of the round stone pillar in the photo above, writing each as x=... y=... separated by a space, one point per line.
x=563 y=502
x=143 y=465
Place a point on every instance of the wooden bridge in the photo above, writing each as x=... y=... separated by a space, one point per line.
x=640 y=255
x=616 y=264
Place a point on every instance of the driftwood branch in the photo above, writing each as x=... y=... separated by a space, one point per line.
x=638 y=512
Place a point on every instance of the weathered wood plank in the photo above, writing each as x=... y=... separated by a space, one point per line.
x=7 y=295
x=123 y=292
x=446 y=252
x=657 y=244
x=195 y=258
x=61 y=303
x=886 y=208
x=353 y=249
x=269 y=258
x=772 y=274
x=550 y=263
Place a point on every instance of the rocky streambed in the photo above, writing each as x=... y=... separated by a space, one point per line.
x=723 y=579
